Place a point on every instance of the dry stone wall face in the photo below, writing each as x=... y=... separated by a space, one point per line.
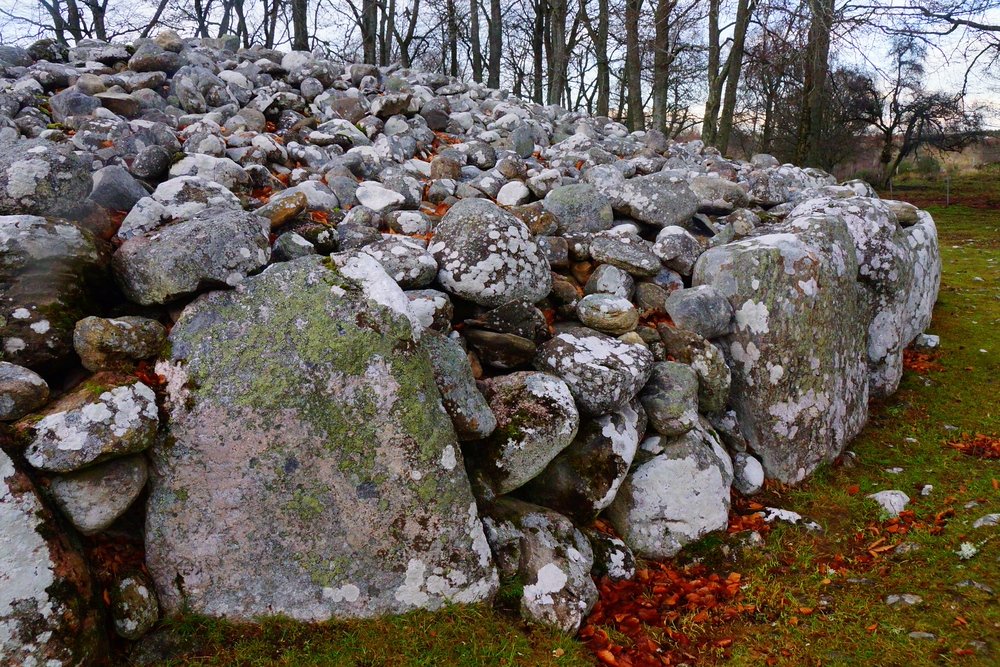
x=368 y=340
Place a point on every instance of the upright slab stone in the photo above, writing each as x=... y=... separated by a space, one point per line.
x=46 y=611
x=798 y=346
x=309 y=469
x=885 y=271
x=925 y=258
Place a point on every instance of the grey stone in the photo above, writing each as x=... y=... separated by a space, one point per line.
x=607 y=313
x=93 y=498
x=21 y=391
x=536 y=419
x=582 y=479
x=38 y=177
x=134 y=607
x=406 y=260
x=551 y=557
x=628 y=252
x=677 y=249
x=116 y=189
x=708 y=363
x=608 y=279
x=676 y=497
x=291 y=246
x=108 y=416
x=47 y=611
x=579 y=208
x=105 y=344
x=487 y=256
x=797 y=348
x=216 y=247
x=701 y=309
x=602 y=372
x=470 y=413
x=51 y=273
x=670 y=398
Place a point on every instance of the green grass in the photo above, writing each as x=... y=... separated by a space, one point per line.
x=806 y=614
x=461 y=636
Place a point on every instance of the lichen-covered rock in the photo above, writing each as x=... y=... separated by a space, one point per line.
x=677 y=248
x=486 y=255
x=216 y=247
x=39 y=177
x=134 y=608
x=551 y=558
x=583 y=479
x=602 y=373
x=46 y=611
x=707 y=361
x=406 y=260
x=885 y=270
x=626 y=251
x=718 y=195
x=657 y=199
x=106 y=417
x=93 y=498
x=670 y=398
x=21 y=391
x=579 y=208
x=536 y=419
x=676 y=497
x=174 y=200
x=702 y=309
x=925 y=260
x=612 y=557
x=797 y=348
x=748 y=474
x=312 y=471
x=50 y=272
x=107 y=344
x=470 y=413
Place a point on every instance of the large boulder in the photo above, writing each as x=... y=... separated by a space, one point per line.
x=797 y=349
x=47 y=616
x=50 y=271
x=925 y=259
x=38 y=177
x=488 y=256
x=310 y=470
x=885 y=271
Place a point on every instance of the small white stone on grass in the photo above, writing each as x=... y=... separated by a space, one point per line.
x=892 y=501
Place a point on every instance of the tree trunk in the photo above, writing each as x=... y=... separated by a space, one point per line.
x=558 y=55
x=709 y=124
x=816 y=68
x=744 y=9
x=536 y=44
x=474 y=42
x=633 y=65
x=300 y=25
x=661 y=62
x=368 y=28
x=452 y=37
x=496 y=43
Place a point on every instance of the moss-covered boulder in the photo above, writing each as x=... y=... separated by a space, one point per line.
x=310 y=469
x=797 y=349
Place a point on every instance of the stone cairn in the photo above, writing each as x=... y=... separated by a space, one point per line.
x=334 y=341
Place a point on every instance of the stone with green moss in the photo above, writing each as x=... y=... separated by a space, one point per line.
x=311 y=470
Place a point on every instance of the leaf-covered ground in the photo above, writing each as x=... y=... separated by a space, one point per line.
x=795 y=597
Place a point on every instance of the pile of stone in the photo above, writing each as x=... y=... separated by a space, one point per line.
x=351 y=340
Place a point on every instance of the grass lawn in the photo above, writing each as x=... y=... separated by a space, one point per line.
x=805 y=598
